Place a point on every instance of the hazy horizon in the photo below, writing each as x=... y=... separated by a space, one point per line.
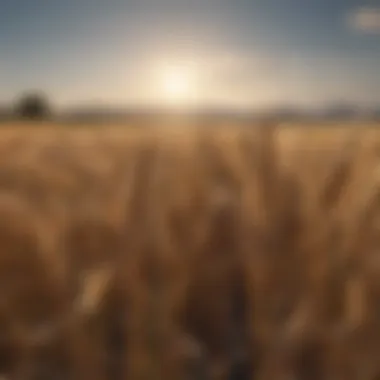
x=232 y=53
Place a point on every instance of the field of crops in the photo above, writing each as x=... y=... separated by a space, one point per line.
x=181 y=253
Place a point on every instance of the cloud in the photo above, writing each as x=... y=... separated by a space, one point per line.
x=365 y=20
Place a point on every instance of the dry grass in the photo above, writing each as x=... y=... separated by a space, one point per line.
x=159 y=254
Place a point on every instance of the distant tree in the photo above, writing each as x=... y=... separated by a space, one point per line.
x=33 y=106
x=4 y=113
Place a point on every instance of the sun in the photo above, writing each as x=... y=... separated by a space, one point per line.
x=178 y=85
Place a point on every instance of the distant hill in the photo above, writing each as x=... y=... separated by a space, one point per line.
x=108 y=114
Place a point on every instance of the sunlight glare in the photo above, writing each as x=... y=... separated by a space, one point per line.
x=178 y=85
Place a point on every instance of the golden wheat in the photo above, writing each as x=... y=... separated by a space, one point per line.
x=189 y=254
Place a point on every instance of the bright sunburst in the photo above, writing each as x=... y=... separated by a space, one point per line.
x=178 y=85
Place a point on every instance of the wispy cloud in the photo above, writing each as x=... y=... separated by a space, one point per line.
x=365 y=20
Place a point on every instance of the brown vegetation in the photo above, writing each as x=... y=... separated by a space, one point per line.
x=229 y=254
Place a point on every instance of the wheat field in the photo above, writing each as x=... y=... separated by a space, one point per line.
x=189 y=253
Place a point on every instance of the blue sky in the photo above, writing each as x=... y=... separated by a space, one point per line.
x=243 y=52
